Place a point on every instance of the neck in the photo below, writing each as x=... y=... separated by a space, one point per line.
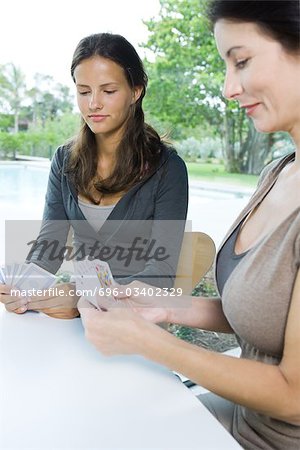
x=107 y=143
x=107 y=146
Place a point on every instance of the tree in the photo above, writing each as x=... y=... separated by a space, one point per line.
x=48 y=99
x=12 y=91
x=39 y=140
x=185 y=86
x=44 y=111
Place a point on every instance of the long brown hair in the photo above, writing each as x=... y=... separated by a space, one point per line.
x=139 y=151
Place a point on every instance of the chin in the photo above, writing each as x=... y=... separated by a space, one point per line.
x=265 y=128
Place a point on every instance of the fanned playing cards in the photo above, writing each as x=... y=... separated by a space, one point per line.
x=93 y=278
x=27 y=277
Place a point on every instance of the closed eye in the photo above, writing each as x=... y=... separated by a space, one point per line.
x=84 y=93
x=110 y=92
x=242 y=63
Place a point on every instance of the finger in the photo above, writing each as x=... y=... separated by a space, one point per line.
x=66 y=301
x=87 y=311
x=108 y=303
x=7 y=299
x=5 y=289
x=85 y=308
x=21 y=310
x=35 y=304
x=60 y=313
x=84 y=303
x=19 y=306
x=120 y=293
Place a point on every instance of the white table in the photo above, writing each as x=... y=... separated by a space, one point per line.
x=58 y=392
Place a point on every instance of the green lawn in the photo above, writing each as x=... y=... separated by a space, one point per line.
x=215 y=173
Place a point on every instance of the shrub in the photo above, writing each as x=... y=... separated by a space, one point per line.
x=192 y=149
x=189 y=149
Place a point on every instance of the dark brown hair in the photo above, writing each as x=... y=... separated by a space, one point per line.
x=139 y=150
x=279 y=18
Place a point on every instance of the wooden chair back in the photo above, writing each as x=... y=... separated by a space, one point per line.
x=197 y=255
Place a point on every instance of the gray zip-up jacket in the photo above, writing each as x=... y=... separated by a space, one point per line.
x=152 y=214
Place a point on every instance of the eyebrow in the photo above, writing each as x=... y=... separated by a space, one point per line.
x=101 y=85
x=237 y=47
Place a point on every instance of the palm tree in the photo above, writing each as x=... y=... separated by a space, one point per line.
x=12 y=90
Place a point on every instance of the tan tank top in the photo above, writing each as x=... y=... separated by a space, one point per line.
x=256 y=299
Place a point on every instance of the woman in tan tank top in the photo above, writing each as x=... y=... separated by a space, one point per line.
x=256 y=396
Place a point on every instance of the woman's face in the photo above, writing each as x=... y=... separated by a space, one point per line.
x=260 y=75
x=104 y=96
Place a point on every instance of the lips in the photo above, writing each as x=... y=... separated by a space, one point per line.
x=97 y=117
x=250 y=109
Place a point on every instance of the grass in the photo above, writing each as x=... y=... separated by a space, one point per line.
x=215 y=173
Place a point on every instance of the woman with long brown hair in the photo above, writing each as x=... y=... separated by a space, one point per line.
x=115 y=176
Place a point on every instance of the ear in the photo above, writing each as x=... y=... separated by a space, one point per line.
x=136 y=93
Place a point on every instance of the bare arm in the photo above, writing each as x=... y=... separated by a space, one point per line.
x=271 y=390
x=268 y=389
x=200 y=312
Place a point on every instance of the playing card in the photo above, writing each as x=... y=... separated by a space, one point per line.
x=18 y=272
x=103 y=273
x=2 y=276
x=86 y=282
x=16 y=268
x=91 y=277
x=11 y=272
x=34 y=277
x=8 y=274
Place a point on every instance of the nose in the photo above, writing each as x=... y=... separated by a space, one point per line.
x=95 y=101
x=232 y=87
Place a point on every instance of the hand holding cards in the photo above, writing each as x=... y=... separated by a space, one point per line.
x=27 y=277
x=21 y=282
x=93 y=278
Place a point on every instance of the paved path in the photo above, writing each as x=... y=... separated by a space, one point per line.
x=213 y=207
